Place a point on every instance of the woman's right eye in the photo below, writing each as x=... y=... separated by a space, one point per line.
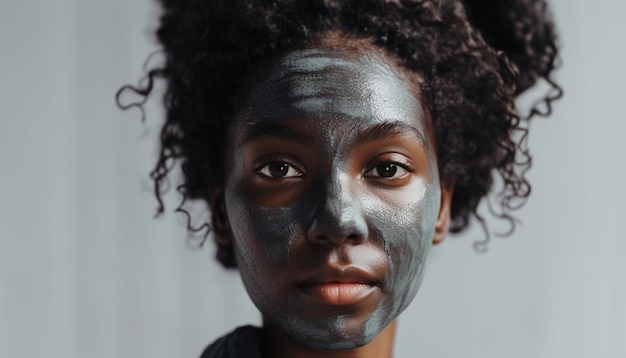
x=279 y=169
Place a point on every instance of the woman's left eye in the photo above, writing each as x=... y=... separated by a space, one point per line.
x=279 y=169
x=387 y=170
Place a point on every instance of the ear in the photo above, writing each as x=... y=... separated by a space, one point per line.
x=443 y=220
x=219 y=217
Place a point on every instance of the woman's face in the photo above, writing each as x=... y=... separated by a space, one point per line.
x=332 y=195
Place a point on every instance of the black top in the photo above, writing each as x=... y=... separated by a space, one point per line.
x=243 y=342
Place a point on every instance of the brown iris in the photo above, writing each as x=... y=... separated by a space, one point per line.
x=386 y=170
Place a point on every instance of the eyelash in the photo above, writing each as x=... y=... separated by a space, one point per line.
x=265 y=166
x=406 y=167
x=263 y=169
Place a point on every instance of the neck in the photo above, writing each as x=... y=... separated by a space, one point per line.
x=280 y=345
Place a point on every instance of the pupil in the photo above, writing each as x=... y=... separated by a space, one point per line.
x=278 y=169
x=387 y=169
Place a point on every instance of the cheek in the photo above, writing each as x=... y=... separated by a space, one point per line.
x=407 y=234
x=262 y=238
x=266 y=234
x=261 y=235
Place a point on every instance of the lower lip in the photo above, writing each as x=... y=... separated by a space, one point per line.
x=337 y=293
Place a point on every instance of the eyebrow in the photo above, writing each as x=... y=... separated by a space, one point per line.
x=389 y=129
x=280 y=131
x=373 y=133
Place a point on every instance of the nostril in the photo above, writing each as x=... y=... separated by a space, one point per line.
x=336 y=240
x=356 y=238
x=338 y=220
x=338 y=227
x=319 y=239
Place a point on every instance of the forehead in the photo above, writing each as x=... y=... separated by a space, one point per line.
x=335 y=88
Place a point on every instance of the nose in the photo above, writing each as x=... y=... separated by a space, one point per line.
x=338 y=219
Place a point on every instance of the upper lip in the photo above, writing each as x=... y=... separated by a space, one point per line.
x=338 y=274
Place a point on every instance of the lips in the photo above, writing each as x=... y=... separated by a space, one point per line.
x=338 y=286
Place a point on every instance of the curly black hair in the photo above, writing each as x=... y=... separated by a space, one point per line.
x=474 y=57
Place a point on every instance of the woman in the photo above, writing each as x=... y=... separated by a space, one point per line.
x=335 y=141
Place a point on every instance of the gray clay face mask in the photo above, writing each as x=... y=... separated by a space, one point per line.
x=332 y=196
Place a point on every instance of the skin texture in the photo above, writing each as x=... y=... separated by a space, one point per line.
x=332 y=197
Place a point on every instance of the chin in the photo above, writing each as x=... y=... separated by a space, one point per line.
x=338 y=333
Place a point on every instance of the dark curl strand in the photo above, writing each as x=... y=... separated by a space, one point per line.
x=473 y=57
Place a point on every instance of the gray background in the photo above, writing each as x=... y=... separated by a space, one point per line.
x=85 y=271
